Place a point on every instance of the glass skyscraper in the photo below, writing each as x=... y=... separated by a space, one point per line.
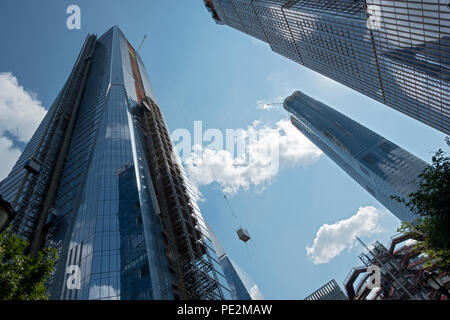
x=396 y=52
x=241 y=285
x=100 y=181
x=381 y=167
x=329 y=291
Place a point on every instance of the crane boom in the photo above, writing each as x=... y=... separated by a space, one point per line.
x=142 y=42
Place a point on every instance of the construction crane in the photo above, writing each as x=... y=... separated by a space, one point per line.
x=142 y=42
x=272 y=104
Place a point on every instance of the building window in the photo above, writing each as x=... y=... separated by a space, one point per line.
x=365 y=171
x=145 y=271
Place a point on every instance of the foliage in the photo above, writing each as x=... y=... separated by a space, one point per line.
x=23 y=277
x=431 y=202
x=440 y=258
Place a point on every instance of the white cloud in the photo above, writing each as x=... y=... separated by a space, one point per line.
x=283 y=84
x=20 y=111
x=20 y=114
x=332 y=239
x=269 y=105
x=9 y=156
x=206 y=166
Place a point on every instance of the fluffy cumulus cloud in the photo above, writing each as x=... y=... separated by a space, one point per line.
x=9 y=156
x=274 y=147
x=20 y=114
x=332 y=240
x=20 y=111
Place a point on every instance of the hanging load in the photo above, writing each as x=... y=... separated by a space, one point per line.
x=243 y=234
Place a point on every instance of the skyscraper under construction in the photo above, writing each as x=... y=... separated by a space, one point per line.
x=100 y=182
x=396 y=52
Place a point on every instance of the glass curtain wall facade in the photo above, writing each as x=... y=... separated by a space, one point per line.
x=381 y=167
x=237 y=287
x=241 y=285
x=28 y=189
x=396 y=52
x=329 y=291
x=117 y=205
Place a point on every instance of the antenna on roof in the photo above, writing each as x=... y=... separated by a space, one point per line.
x=142 y=42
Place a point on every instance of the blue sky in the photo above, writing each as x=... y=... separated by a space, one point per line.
x=202 y=71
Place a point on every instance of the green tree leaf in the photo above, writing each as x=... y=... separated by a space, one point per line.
x=431 y=202
x=23 y=277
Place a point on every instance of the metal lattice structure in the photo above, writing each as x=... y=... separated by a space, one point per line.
x=188 y=254
x=394 y=274
x=403 y=274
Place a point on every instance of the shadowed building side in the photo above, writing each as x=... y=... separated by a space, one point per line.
x=381 y=167
x=396 y=52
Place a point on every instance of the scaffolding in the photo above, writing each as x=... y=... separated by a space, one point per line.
x=189 y=256
x=402 y=273
x=397 y=280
